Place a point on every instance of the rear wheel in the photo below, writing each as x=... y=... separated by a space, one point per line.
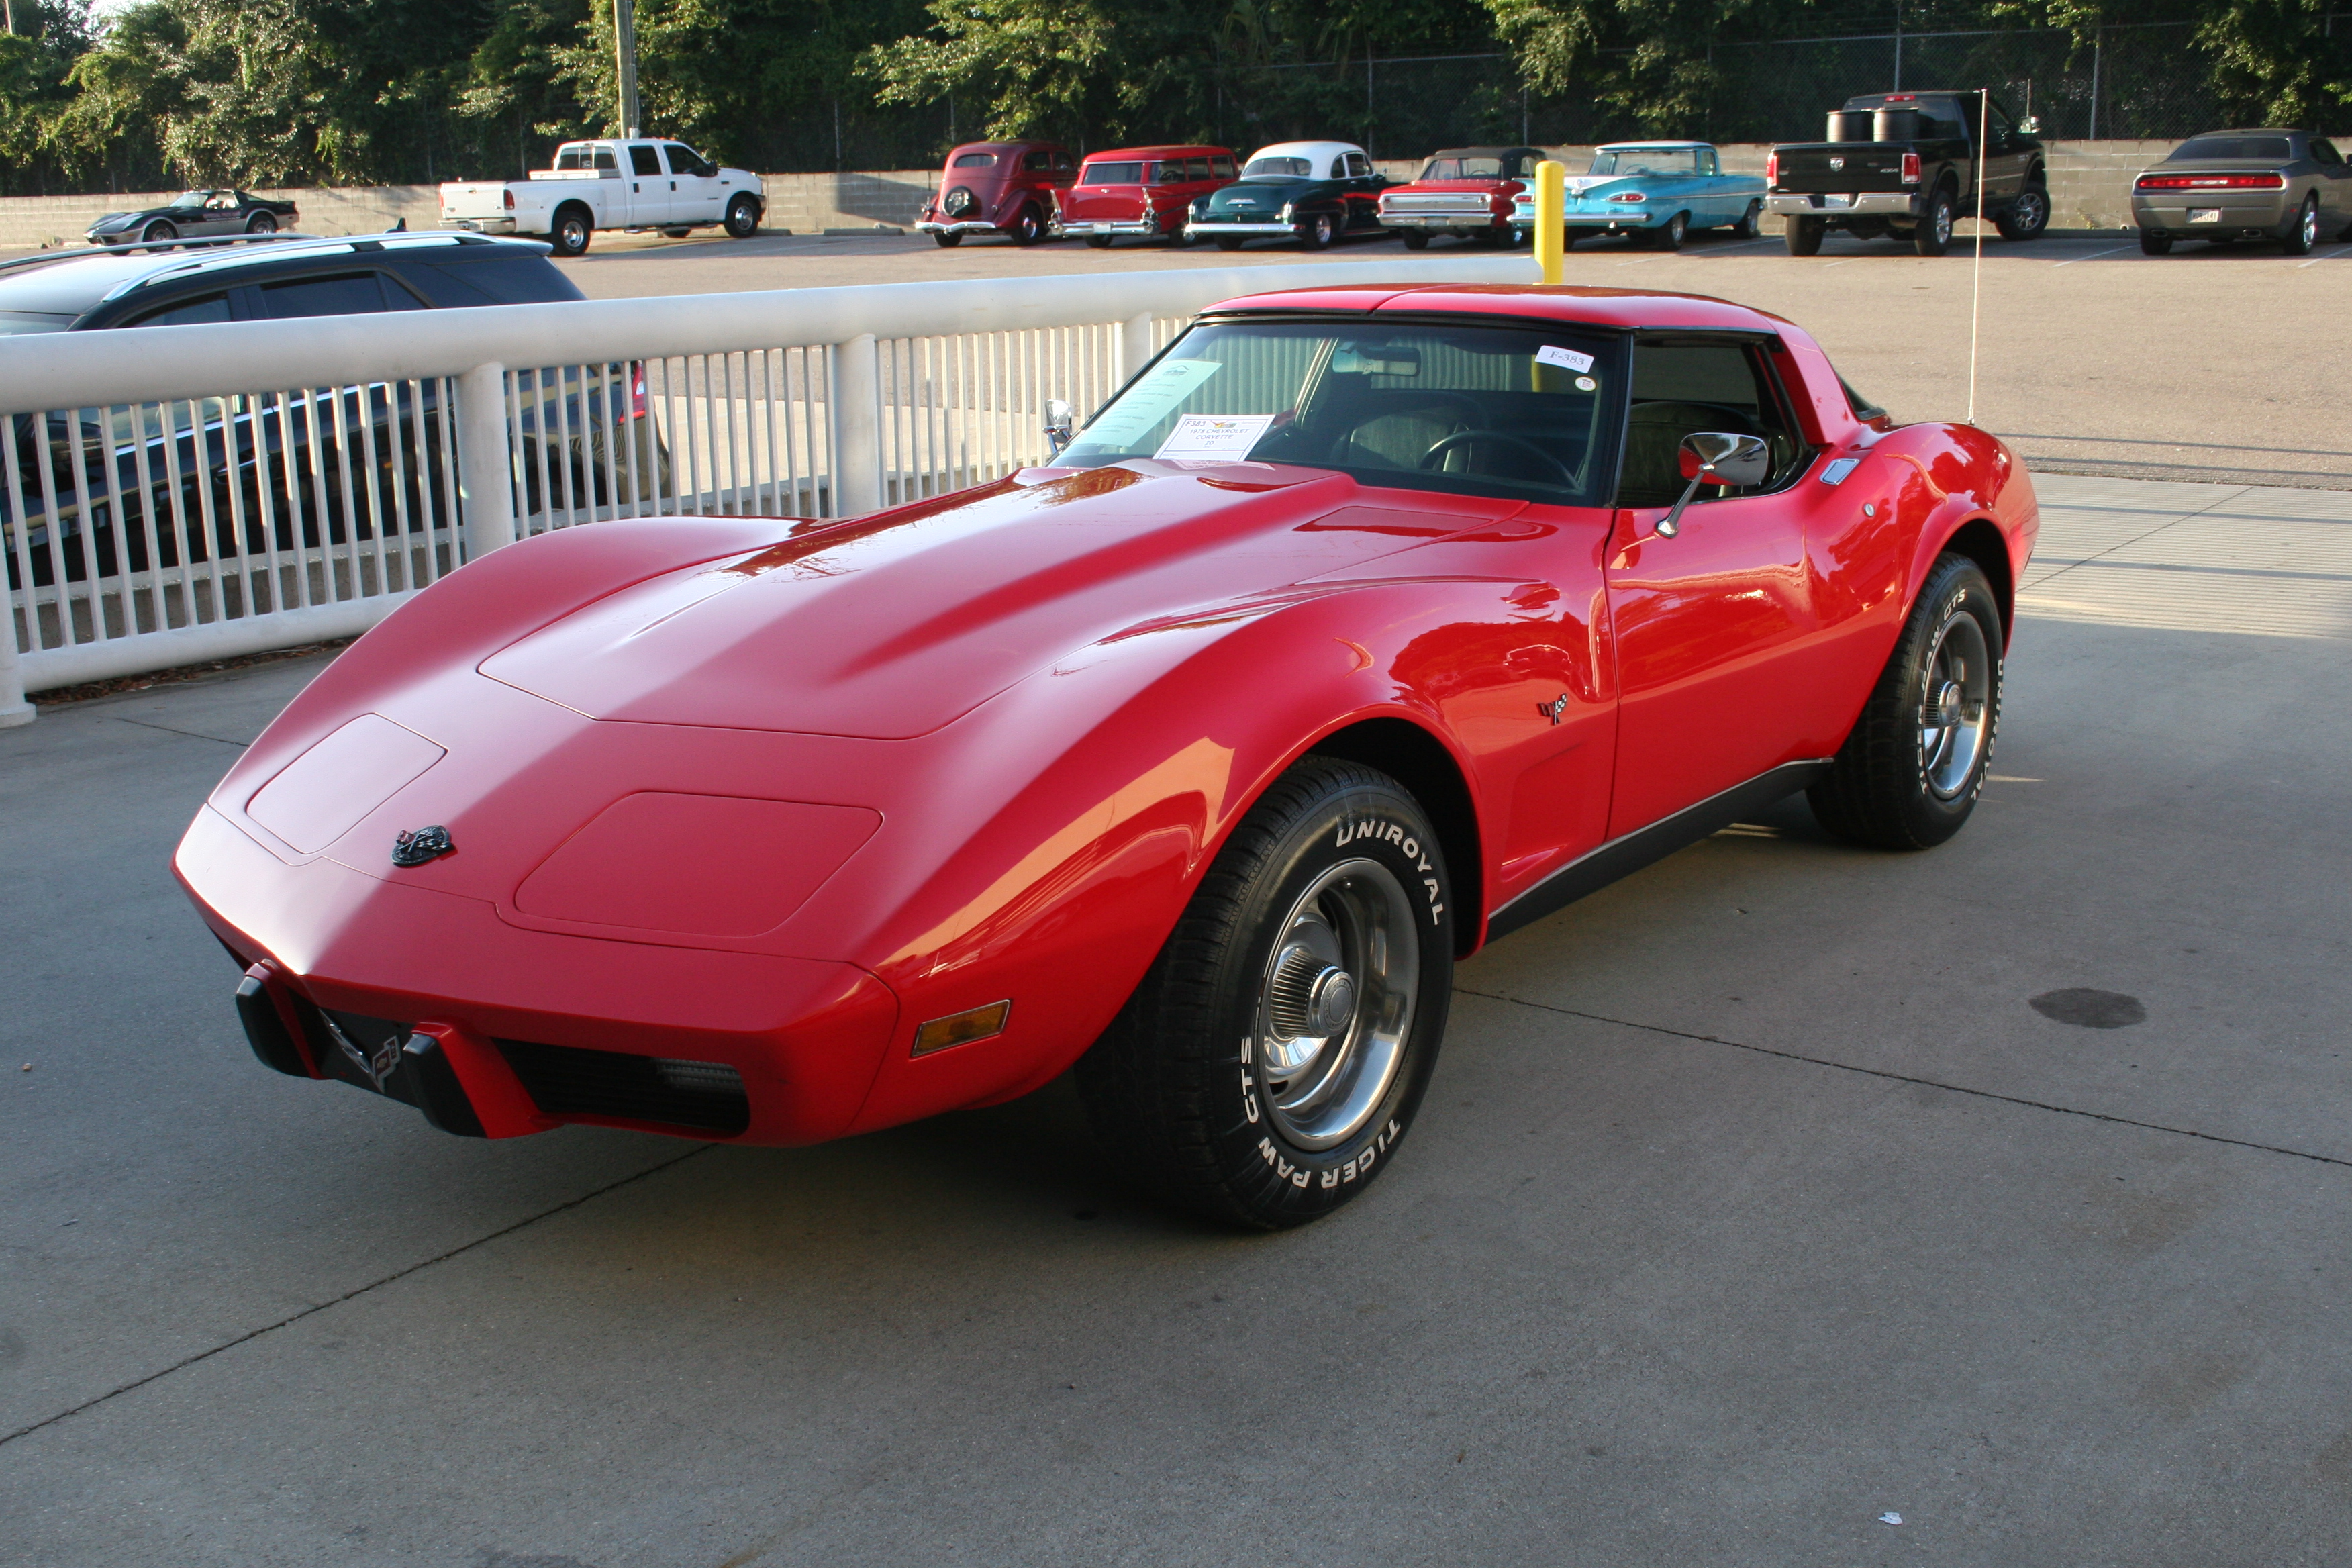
x=2154 y=244
x=1414 y=238
x=1746 y=228
x=1098 y=242
x=1489 y=237
x=742 y=217
x=675 y=233
x=1671 y=237
x=1229 y=242
x=1804 y=236
x=2027 y=216
x=1908 y=776
x=570 y=235
x=948 y=241
x=1274 y=1056
x=1932 y=235
x=2305 y=232
x=1029 y=227
x=261 y=223
x=1320 y=231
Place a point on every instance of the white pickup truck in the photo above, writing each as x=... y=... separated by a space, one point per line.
x=626 y=184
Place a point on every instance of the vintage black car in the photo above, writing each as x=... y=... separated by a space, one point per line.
x=1317 y=191
x=195 y=215
x=251 y=462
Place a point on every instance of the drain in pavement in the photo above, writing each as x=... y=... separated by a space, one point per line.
x=2090 y=1009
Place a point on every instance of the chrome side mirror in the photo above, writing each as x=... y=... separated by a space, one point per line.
x=2030 y=125
x=1714 y=458
x=1060 y=423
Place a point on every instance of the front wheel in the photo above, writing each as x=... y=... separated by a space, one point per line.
x=742 y=217
x=1932 y=235
x=2027 y=216
x=1273 y=1057
x=1908 y=775
x=1804 y=236
x=159 y=234
x=2305 y=233
x=2154 y=244
x=948 y=241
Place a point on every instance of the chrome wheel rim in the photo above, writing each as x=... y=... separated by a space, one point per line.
x=1335 y=1004
x=2310 y=225
x=2032 y=209
x=1943 y=222
x=1956 y=707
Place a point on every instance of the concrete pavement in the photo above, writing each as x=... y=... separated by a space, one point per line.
x=1756 y=1199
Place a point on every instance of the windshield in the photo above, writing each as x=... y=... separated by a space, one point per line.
x=1463 y=169
x=2247 y=149
x=190 y=198
x=1511 y=411
x=1279 y=168
x=15 y=323
x=1647 y=161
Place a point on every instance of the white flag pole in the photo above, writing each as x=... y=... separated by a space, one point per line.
x=1976 y=286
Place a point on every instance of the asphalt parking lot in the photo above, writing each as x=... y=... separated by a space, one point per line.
x=2213 y=363
x=1776 y=1193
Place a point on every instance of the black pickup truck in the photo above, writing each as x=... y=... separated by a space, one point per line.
x=1905 y=164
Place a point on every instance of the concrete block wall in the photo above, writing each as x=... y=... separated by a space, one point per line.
x=2090 y=187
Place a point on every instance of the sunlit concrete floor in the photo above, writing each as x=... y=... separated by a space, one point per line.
x=1755 y=1201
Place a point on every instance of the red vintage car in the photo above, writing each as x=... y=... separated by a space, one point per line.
x=1144 y=192
x=1366 y=626
x=998 y=187
x=1466 y=192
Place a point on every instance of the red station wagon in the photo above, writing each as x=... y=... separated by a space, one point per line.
x=998 y=187
x=1143 y=190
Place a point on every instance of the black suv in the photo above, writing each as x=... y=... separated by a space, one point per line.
x=255 y=453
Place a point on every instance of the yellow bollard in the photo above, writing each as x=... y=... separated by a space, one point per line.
x=1552 y=216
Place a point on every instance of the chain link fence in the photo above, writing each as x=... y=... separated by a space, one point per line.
x=2148 y=82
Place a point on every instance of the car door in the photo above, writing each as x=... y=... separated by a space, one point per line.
x=1363 y=190
x=2334 y=184
x=695 y=190
x=219 y=215
x=1708 y=622
x=649 y=198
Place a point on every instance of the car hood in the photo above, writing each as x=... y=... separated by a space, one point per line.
x=891 y=626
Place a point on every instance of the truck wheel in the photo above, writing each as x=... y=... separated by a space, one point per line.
x=1028 y=228
x=1273 y=1055
x=1746 y=228
x=2154 y=244
x=1932 y=235
x=1414 y=238
x=948 y=241
x=1804 y=236
x=742 y=217
x=570 y=235
x=2027 y=216
x=1908 y=776
x=2305 y=232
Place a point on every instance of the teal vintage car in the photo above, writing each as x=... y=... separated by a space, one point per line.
x=1653 y=191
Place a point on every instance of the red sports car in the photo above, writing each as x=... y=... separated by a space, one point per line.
x=1363 y=627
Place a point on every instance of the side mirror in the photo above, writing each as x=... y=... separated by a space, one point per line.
x=1060 y=424
x=1714 y=458
x=2030 y=125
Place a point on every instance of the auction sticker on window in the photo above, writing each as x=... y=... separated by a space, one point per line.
x=1566 y=358
x=1149 y=400
x=1214 y=435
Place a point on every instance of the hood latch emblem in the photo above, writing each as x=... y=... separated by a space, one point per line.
x=417 y=846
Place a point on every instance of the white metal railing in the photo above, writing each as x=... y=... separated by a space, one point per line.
x=191 y=492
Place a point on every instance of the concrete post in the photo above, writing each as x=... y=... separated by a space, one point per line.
x=485 y=471
x=14 y=709
x=855 y=418
x=1135 y=349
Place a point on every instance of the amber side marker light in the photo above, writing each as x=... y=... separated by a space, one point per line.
x=961 y=1029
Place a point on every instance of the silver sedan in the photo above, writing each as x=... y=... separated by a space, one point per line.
x=2290 y=186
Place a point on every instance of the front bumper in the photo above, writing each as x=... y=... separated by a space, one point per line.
x=961 y=225
x=1246 y=231
x=1863 y=204
x=2268 y=213
x=482 y=225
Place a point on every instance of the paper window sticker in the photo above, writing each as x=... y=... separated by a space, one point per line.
x=1151 y=400
x=1566 y=358
x=1214 y=435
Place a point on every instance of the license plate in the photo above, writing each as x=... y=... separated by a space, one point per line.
x=2204 y=214
x=1837 y=201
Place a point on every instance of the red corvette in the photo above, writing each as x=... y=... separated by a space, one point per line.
x=1365 y=626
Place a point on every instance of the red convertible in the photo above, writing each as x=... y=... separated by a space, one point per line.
x=1363 y=627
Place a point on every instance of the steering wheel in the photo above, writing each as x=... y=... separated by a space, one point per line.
x=1430 y=458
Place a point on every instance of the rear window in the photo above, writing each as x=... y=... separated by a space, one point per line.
x=187 y=312
x=1463 y=169
x=1112 y=175
x=1283 y=167
x=1196 y=169
x=1646 y=161
x=2246 y=149
x=643 y=161
x=509 y=280
x=1223 y=167
x=974 y=160
x=585 y=159
x=345 y=294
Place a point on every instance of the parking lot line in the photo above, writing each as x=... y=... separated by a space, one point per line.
x=2094 y=256
x=2345 y=250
